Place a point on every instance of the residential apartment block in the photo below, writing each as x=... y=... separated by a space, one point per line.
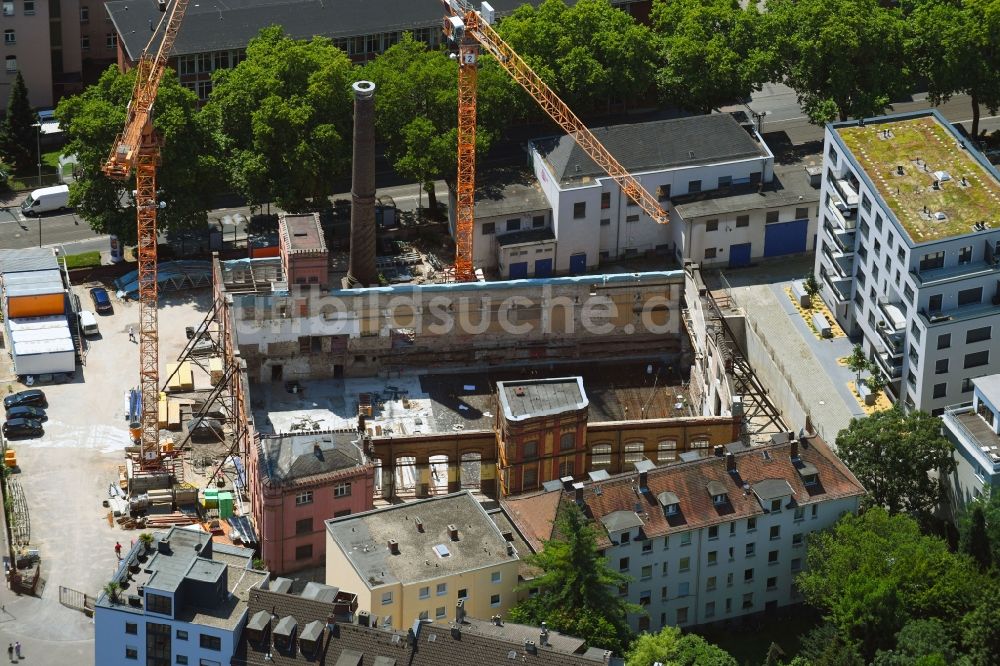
x=709 y=540
x=909 y=255
x=416 y=561
x=185 y=602
x=715 y=178
x=974 y=429
x=297 y=482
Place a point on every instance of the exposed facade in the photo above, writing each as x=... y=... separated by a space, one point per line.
x=909 y=255
x=296 y=482
x=417 y=560
x=974 y=429
x=709 y=540
x=184 y=602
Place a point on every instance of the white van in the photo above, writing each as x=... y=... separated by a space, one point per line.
x=88 y=322
x=46 y=199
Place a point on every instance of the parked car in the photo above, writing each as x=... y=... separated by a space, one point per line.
x=33 y=397
x=102 y=302
x=22 y=428
x=88 y=322
x=27 y=412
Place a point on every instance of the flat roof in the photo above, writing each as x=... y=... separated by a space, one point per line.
x=29 y=259
x=423 y=555
x=509 y=192
x=40 y=335
x=653 y=146
x=293 y=457
x=541 y=397
x=989 y=387
x=928 y=150
x=526 y=236
x=33 y=283
x=789 y=187
x=302 y=233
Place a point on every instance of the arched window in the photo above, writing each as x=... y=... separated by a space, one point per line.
x=600 y=455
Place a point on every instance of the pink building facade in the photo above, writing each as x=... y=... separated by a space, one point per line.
x=297 y=482
x=303 y=250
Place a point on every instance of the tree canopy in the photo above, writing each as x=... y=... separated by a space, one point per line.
x=17 y=134
x=892 y=454
x=843 y=58
x=577 y=592
x=284 y=119
x=874 y=573
x=590 y=53
x=672 y=648
x=979 y=529
x=188 y=178
x=710 y=53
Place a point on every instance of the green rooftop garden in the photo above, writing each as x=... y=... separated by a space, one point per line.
x=903 y=157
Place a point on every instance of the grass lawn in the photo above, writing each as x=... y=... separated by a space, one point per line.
x=749 y=644
x=51 y=160
x=83 y=260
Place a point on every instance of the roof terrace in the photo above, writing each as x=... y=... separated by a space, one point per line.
x=931 y=181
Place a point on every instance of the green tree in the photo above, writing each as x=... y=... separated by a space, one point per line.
x=979 y=530
x=893 y=454
x=590 y=53
x=284 y=119
x=577 y=591
x=17 y=136
x=672 y=648
x=979 y=627
x=827 y=646
x=843 y=58
x=710 y=53
x=876 y=381
x=874 y=573
x=922 y=643
x=954 y=47
x=857 y=362
x=188 y=178
x=811 y=285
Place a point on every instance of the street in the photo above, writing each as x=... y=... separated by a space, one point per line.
x=777 y=102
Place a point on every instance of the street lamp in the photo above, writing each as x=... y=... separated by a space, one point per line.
x=38 y=149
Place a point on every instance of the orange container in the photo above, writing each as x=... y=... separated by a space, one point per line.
x=35 y=306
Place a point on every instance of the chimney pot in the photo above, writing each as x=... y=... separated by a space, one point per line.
x=452 y=532
x=419 y=523
x=393 y=546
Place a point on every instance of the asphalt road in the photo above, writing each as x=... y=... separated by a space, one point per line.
x=783 y=121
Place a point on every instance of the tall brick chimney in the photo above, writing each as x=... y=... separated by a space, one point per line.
x=361 y=270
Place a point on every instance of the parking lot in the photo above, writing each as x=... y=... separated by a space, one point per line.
x=66 y=472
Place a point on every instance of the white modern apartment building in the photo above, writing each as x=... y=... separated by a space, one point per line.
x=711 y=539
x=909 y=253
x=974 y=429
x=184 y=602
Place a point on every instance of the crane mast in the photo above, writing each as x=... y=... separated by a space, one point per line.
x=471 y=31
x=137 y=148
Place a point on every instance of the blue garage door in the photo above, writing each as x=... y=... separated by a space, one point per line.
x=578 y=263
x=519 y=270
x=543 y=268
x=739 y=255
x=785 y=238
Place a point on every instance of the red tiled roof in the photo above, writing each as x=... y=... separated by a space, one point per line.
x=534 y=514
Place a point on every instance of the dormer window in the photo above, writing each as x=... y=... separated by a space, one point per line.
x=670 y=502
x=809 y=474
x=670 y=510
x=718 y=500
x=718 y=492
x=810 y=480
x=775 y=505
x=625 y=537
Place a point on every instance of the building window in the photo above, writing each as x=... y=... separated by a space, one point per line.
x=605 y=221
x=751 y=549
x=934 y=303
x=797 y=539
x=694 y=186
x=84 y=14
x=725 y=181
x=538 y=221
x=605 y=200
x=776 y=506
x=600 y=455
x=977 y=335
x=685 y=564
x=130 y=652
x=713 y=558
x=932 y=260
x=682 y=615
x=666 y=451
x=342 y=489
x=796 y=564
x=181 y=659
x=772 y=583
x=442 y=589
x=663 y=192
x=463 y=593
x=772 y=557
x=579 y=210
x=977 y=359
x=567 y=441
x=775 y=532
x=158 y=603
x=29 y=7
x=489 y=228
x=914 y=329
x=8 y=8
x=965 y=255
x=970 y=296
x=303 y=526
x=425 y=593
x=771 y=217
x=713 y=532
x=800 y=513
x=203 y=90
x=530 y=449
x=494 y=600
x=304 y=498
x=623 y=564
x=710 y=584
x=11 y=64
x=566 y=468
x=801 y=213
x=530 y=479
x=439 y=612
x=513 y=225
x=712 y=225
x=710 y=253
x=9 y=37
x=940 y=390
x=84 y=42
x=747 y=575
x=304 y=552
x=387 y=598
x=631 y=219
x=111 y=40
x=742 y=221
x=966 y=385
x=182 y=635
x=866 y=203
x=210 y=642
x=634 y=452
x=686 y=539
x=751 y=524
x=748 y=601
x=709 y=609
x=941 y=366
x=944 y=341
x=683 y=589
x=131 y=628
x=647 y=546
x=424 y=615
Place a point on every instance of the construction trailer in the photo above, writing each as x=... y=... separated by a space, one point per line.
x=41 y=345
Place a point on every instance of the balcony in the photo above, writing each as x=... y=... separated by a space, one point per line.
x=848 y=192
x=894 y=317
x=841 y=263
x=843 y=239
x=891 y=366
x=841 y=289
x=842 y=216
x=961 y=313
x=934 y=276
x=974 y=435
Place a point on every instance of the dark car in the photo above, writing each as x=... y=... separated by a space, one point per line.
x=27 y=412
x=102 y=302
x=32 y=397
x=22 y=428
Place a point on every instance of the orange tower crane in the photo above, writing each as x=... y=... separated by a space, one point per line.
x=469 y=30
x=138 y=148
